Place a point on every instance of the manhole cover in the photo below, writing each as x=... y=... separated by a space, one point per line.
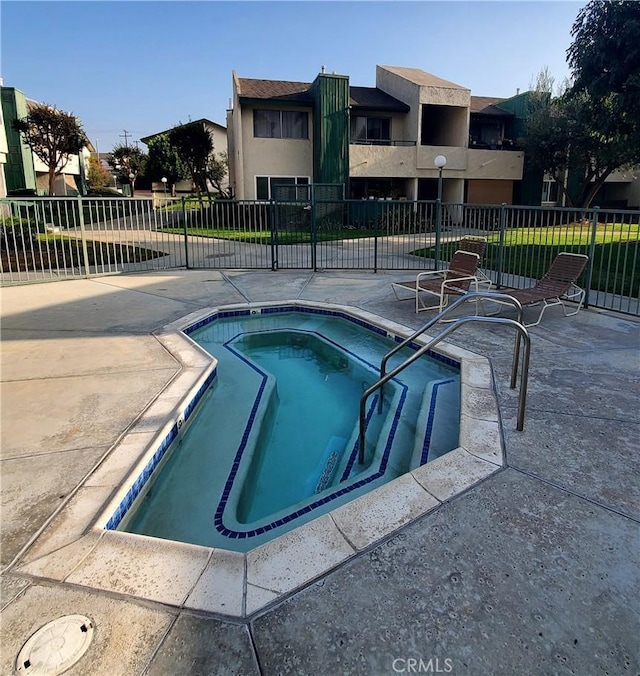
x=56 y=647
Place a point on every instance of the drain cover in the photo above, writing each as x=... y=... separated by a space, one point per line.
x=56 y=647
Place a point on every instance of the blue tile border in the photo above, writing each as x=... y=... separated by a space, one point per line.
x=157 y=457
x=147 y=472
x=430 y=417
x=219 y=518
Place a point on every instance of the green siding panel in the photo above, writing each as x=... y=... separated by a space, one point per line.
x=331 y=129
x=528 y=191
x=19 y=171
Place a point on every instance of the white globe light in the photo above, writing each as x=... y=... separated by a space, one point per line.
x=440 y=161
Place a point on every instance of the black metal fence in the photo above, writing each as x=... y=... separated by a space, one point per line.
x=52 y=238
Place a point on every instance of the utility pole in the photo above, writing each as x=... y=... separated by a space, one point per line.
x=125 y=136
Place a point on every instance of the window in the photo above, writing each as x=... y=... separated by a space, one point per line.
x=549 y=191
x=265 y=187
x=280 y=124
x=370 y=129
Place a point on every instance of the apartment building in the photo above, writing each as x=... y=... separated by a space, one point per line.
x=378 y=142
x=218 y=135
x=23 y=171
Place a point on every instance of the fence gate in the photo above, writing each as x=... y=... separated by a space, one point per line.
x=299 y=212
x=293 y=227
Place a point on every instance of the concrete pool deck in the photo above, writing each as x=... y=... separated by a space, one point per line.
x=534 y=570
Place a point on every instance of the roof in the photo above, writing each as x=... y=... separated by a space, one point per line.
x=203 y=120
x=300 y=93
x=279 y=90
x=372 y=97
x=422 y=78
x=488 y=105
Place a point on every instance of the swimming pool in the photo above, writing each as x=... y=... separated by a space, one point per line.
x=273 y=443
x=83 y=545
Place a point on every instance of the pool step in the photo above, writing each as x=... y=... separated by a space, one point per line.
x=378 y=429
x=437 y=423
x=324 y=472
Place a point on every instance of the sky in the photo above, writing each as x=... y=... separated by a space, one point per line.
x=143 y=67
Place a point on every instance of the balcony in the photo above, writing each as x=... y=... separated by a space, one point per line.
x=456 y=159
x=380 y=142
x=501 y=144
x=494 y=164
x=382 y=160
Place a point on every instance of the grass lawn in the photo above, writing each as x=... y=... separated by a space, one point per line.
x=529 y=252
x=264 y=236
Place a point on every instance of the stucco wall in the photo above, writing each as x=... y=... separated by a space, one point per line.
x=398 y=161
x=272 y=156
x=494 y=164
x=406 y=91
x=73 y=166
x=456 y=159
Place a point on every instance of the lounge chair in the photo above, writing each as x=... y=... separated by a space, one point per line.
x=559 y=284
x=477 y=245
x=460 y=277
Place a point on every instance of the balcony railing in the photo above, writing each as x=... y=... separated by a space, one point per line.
x=379 y=142
x=504 y=144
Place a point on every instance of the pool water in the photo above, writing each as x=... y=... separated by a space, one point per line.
x=311 y=416
x=274 y=441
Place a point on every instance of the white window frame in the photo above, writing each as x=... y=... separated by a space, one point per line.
x=273 y=178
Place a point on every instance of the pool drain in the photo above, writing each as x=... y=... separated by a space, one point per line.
x=56 y=647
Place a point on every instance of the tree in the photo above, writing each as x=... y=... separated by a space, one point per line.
x=98 y=177
x=164 y=162
x=129 y=162
x=194 y=145
x=604 y=56
x=217 y=169
x=53 y=135
x=592 y=128
x=563 y=137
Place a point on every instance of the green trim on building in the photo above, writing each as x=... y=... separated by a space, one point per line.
x=19 y=170
x=527 y=191
x=331 y=129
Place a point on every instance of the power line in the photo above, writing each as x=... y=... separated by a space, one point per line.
x=125 y=136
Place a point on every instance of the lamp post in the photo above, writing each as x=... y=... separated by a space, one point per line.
x=131 y=179
x=440 y=161
x=164 y=185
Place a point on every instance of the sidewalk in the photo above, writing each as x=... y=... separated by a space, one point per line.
x=536 y=570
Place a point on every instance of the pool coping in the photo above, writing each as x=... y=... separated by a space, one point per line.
x=75 y=548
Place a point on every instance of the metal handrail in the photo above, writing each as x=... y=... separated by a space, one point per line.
x=521 y=332
x=463 y=299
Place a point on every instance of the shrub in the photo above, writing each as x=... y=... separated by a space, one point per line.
x=17 y=234
x=105 y=192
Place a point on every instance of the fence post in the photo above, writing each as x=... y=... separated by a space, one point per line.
x=185 y=232
x=83 y=238
x=274 y=235
x=314 y=235
x=592 y=251
x=503 y=223
x=375 y=243
x=438 y=231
